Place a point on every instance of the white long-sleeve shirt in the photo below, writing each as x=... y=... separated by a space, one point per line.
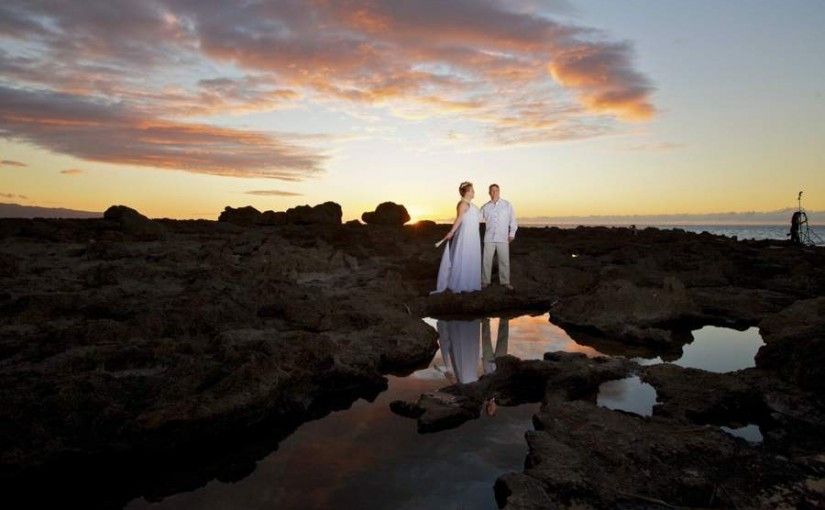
x=500 y=219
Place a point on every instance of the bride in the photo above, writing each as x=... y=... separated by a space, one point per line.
x=460 y=269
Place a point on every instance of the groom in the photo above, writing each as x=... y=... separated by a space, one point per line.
x=500 y=230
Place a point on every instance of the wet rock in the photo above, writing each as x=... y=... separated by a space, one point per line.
x=387 y=213
x=514 y=382
x=582 y=456
x=440 y=411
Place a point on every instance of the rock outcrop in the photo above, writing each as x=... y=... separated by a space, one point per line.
x=387 y=213
x=134 y=224
x=328 y=213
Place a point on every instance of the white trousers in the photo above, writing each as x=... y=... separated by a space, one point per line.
x=503 y=252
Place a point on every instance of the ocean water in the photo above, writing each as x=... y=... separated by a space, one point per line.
x=741 y=232
x=758 y=232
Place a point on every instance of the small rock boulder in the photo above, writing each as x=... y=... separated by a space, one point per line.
x=387 y=213
x=135 y=224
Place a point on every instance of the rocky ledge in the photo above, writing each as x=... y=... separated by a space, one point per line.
x=132 y=349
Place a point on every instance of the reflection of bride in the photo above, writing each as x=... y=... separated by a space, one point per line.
x=460 y=347
x=460 y=351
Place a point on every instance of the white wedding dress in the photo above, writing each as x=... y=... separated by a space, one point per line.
x=460 y=269
x=460 y=342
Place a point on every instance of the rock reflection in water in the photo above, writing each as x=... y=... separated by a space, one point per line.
x=716 y=349
x=721 y=349
x=631 y=395
x=366 y=457
x=750 y=433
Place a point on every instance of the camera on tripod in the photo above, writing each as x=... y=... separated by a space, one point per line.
x=801 y=232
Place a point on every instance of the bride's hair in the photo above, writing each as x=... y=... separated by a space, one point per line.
x=462 y=188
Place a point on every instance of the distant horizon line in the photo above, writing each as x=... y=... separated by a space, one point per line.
x=749 y=218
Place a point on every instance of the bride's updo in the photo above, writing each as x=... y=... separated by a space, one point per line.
x=464 y=186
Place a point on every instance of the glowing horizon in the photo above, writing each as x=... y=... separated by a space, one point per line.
x=575 y=109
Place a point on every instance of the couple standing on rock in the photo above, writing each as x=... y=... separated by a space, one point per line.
x=461 y=266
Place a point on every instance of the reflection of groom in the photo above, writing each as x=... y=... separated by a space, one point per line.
x=488 y=354
x=500 y=230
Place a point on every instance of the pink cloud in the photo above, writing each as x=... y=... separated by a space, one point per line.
x=72 y=171
x=524 y=77
x=8 y=162
x=115 y=133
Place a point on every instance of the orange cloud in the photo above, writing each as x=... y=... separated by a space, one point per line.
x=116 y=133
x=8 y=162
x=602 y=75
x=522 y=76
x=72 y=171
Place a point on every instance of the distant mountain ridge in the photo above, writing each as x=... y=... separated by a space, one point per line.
x=29 y=211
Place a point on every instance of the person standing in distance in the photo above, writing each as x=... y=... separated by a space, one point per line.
x=500 y=219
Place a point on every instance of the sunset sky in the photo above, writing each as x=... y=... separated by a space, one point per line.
x=181 y=107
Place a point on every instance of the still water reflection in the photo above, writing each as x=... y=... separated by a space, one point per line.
x=630 y=394
x=718 y=350
x=368 y=457
x=750 y=432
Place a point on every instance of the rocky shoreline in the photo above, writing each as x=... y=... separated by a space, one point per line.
x=128 y=345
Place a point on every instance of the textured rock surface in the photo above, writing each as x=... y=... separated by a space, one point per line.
x=121 y=347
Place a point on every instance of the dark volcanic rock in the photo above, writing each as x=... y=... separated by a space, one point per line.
x=795 y=344
x=328 y=213
x=387 y=213
x=273 y=218
x=697 y=396
x=587 y=457
x=244 y=216
x=622 y=310
x=514 y=381
x=124 y=361
x=134 y=224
